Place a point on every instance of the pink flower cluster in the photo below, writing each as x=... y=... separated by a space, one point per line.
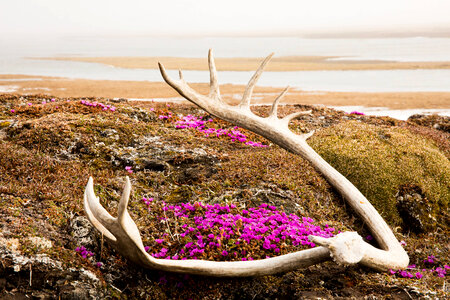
x=222 y=229
x=98 y=104
x=147 y=201
x=430 y=260
x=406 y=274
x=87 y=254
x=165 y=117
x=84 y=252
x=30 y=104
x=191 y=121
x=357 y=113
x=129 y=169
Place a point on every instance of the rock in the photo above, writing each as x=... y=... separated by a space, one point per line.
x=40 y=243
x=82 y=231
x=414 y=210
x=435 y=121
x=154 y=164
x=108 y=132
x=118 y=100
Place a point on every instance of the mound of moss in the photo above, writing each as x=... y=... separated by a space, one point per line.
x=382 y=161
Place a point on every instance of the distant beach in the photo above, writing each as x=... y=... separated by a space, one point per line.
x=277 y=64
x=390 y=74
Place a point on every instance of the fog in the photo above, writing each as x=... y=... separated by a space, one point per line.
x=210 y=17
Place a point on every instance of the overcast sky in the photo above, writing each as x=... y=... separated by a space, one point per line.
x=197 y=17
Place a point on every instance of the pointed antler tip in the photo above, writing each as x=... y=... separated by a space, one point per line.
x=90 y=184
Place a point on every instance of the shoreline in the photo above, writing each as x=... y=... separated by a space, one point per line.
x=283 y=63
x=65 y=87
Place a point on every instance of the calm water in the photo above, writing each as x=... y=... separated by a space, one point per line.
x=15 y=59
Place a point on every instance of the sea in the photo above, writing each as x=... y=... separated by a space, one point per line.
x=19 y=56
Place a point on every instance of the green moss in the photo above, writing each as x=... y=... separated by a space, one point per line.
x=379 y=160
x=4 y=124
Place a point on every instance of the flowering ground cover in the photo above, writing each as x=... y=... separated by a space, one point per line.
x=191 y=121
x=259 y=201
x=429 y=265
x=228 y=232
x=204 y=124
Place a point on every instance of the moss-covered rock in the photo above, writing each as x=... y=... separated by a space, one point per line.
x=48 y=151
x=381 y=160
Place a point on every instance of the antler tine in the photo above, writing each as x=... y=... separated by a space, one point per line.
x=186 y=91
x=245 y=102
x=308 y=134
x=96 y=214
x=274 y=111
x=213 y=83
x=294 y=115
x=122 y=210
x=124 y=219
x=180 y=75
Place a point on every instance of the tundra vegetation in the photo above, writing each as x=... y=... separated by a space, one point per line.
x=187 y=168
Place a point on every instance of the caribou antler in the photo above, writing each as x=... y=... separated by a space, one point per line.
x=345 y=248
x=391 y=256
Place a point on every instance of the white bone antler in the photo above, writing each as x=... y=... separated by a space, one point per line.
x=391 y=256
x=346 y=248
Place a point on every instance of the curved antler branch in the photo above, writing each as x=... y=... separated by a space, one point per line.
x=274 y=111
x=245 y=102
x=124 y=235
x=392 y=255
x=214 y=85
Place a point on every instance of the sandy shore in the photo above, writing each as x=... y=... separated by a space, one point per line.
x=286 y=63
x=63 y=87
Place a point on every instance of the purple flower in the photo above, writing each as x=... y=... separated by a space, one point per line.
x=356 y=113
x=163 y=280
x=430 y=259
x=418 y=275
x=441 y=272
x=224 y=253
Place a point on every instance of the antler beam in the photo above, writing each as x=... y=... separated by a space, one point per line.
x=123 y=234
